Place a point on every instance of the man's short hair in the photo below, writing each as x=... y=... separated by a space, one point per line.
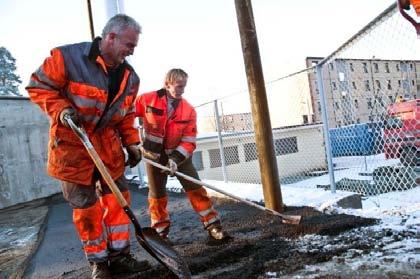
x=174 y=75
x=120 y=22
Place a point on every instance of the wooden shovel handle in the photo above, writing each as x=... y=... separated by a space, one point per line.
x=80 y=132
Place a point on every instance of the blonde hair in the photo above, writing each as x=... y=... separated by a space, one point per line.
x=174 y=75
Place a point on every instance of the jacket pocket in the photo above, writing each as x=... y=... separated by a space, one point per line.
x=156 y=111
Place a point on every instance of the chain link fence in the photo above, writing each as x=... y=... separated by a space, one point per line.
x=365 y=94
x=349 y=121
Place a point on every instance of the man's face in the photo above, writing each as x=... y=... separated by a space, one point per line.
x=176 y=89
x=123 y=45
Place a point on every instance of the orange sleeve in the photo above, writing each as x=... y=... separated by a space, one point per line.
x=139 y=106
x=128 y=131
x=46 y=85
x=188 y=141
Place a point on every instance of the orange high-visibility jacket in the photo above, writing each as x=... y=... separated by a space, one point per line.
x=76 y=76
x=176 y=134
x=416 y=5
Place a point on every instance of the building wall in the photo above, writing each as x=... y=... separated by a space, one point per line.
x=309 y=145
x=23 y=152
x=236 y=122
x=359 y=90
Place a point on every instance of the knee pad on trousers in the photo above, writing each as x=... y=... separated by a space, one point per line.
x=79 y=196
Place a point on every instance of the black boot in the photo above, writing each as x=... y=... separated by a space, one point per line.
x=126 y=264
x=100 y=270
x=216 y=232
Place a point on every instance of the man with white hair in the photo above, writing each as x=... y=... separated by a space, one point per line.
x=92 y=83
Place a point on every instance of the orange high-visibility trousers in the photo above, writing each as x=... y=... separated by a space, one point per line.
x=159 y=215
x=88 y=223
x=91 y=215
x=158 y=198
x=117 y=223
x=202 y=204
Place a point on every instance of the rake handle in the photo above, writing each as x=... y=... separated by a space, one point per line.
x=292 y=219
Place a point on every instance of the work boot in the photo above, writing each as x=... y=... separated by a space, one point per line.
x=166 y=239
x=163 y=233
x=126 y=264
x=100 y=270
x=216 y=232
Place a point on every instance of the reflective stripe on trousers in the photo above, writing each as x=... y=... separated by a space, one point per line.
x=88 y=222
x=159 y=215
x=202 y=204
x=116 y=222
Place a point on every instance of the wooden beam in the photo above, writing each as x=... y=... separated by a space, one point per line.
x=260 y=112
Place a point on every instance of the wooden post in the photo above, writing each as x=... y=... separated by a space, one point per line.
x=260 y=113
x=92 y=29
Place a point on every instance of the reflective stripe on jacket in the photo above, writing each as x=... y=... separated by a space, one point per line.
x=176 y=133
x=76 y=76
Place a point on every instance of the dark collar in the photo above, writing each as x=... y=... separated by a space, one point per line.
x=94 y=51
x=161 y=92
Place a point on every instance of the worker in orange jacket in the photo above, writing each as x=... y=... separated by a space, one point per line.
x=93 y=84
x=415 y=3
x=170 y=130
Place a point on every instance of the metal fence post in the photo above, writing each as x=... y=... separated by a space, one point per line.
x=219 y=137
x=322 y=98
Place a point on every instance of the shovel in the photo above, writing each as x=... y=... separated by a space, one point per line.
x=288 y=219
x=148 y=238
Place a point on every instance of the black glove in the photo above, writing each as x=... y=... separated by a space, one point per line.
x=134 y=155
x=72 y=114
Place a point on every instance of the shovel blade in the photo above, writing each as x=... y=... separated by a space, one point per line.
x=162 y=251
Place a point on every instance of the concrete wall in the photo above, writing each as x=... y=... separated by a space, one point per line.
x=23 y=152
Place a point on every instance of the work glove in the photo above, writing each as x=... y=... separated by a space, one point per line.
x=72 y=114
x=149 y=155
x=134 y=155
x=173 y=167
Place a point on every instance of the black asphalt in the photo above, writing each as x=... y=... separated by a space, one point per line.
x=60 y=251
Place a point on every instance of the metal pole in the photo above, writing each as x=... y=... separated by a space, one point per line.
x=261 y=116
x=219 y=137
x=92 y=28
x=324 y=113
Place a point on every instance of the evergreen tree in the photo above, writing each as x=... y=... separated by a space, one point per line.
x=9 y=81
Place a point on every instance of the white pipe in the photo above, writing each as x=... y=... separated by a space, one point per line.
x=113 y=7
